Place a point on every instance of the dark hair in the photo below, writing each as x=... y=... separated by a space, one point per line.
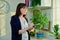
x=20 y=5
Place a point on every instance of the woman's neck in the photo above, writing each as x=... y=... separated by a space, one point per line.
x=21 y=16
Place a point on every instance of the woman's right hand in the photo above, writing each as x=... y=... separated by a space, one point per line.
x=31 y=26
x=21 y=31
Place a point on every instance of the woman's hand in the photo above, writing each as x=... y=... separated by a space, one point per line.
x=23 y=30
x=31 y=26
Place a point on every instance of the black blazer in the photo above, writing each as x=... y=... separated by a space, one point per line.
x=15 y=26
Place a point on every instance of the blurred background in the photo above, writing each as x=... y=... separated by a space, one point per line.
x=8 y=8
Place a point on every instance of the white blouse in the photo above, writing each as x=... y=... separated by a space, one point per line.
x=25 y=34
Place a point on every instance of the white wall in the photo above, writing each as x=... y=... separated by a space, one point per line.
x=56 y=12
x=6 y=34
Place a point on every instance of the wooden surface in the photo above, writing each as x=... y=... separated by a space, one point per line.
x=34 y=38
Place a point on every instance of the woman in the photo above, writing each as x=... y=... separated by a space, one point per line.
x=19 y=23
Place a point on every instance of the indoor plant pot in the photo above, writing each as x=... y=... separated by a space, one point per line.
x=40 y=34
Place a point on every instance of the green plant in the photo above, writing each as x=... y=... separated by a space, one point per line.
x=56 y=33
x=36 y=2
x=56 y=28
x=39 y=18
x=32 y=33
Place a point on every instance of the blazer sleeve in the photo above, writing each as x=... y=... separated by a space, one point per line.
x=14 y=25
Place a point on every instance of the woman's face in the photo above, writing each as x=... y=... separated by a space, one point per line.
x=23 y=10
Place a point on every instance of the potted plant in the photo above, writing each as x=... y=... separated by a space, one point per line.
x=39 y=19
x=56 y=33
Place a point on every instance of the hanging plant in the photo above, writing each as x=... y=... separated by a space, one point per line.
x=36 y=2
